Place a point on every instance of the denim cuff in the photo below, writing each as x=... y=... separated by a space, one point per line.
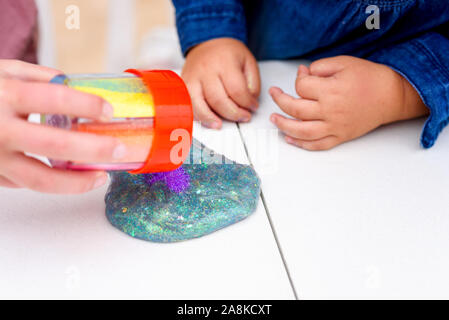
x=423 y=62
x=201 y=22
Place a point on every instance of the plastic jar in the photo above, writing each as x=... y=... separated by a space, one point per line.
x=152 y=112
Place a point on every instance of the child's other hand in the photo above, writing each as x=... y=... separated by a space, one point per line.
x=343 y=98
x=223 y=79
x=24 y=90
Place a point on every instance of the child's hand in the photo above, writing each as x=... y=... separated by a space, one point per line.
x=343 y=98
x=22 y=94
x=223 y=78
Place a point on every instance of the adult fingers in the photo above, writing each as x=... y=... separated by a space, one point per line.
x=61 y=144
x=33 y=174
x=305 y=130
x=7 y=183
x=33 y=97
x=303 y=109
x=219 y=101
x=325 y=143
x=26 y=71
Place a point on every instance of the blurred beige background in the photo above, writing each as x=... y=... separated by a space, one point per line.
x=94 y=46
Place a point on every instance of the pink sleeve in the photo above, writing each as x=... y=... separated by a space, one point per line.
x=18 y=30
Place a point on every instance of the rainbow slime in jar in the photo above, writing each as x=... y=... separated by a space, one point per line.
x=152 y=116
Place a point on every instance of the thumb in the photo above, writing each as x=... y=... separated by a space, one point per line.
x=327 y=67
x=252 y=75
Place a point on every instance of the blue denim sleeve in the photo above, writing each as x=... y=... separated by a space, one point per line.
x=201 y=20
x=424 y=62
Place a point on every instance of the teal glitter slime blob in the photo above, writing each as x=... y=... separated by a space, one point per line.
x=220 y=193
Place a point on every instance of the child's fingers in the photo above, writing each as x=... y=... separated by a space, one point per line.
x=52 y=99
x=325 y=143
x=304 y=130
x=236 y=87
x=251 y=72
x=219 y=101
x=33 y=174
x=310 y=87
x=7 y=183
x=303 y=70
x=26 y=71
x=298 y=108
x=328 y=66
x=201 y=110
x=61 y=144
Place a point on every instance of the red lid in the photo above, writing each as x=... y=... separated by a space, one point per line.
x=173 y=120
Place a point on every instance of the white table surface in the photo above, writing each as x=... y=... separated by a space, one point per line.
x=368 y=219
x=63 y=247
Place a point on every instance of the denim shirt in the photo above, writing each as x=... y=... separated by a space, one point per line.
x=412 y=38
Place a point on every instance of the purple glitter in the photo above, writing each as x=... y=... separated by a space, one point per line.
x=58 y=121
x=177 y=180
